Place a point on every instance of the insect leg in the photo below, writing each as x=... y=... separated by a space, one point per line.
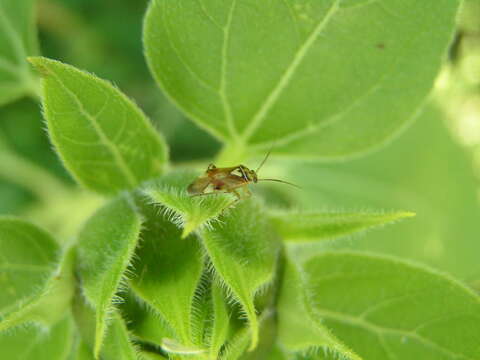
x=237 y=194
x=247 y=192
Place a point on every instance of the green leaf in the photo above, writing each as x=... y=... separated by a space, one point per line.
x=48 y=306
x=297 y=333
x=105 y=248
x=243 y=250
x=82 y=352
x=33 y=343
x=388 y=309
x=191 y=213
x=143 y=321
x=152 y=356
x=169 y=272
x=221 y=322
x=405 y=175
x=36 y=289
x=28 y=256
x=283 y=70
x=18 y=39
x=237 y=346
x=117 y=345
x=268 y=334
x=306 y=227
x=84 y=317
x=103 y=138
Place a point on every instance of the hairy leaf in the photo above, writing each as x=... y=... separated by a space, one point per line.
x=169 y=272
x=152 y=356
x=297 y=333
x=33 y=343
x=387 y=309
x=18 y=39
x=320 y=78
x=220 y=327
x=243 y=250
x=117 y=345
x=36 y=288
x=305 y=227
x=105 y=248
x=28 y=256
x=405 y=175
x=143 y=321
x=103 y=138
x=237 y=347
x=191 y=213
x=81 y=352
x=48 y=306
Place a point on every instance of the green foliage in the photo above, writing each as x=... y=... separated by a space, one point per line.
x=367 y=301
x=243 y=251
x=302 y=90
x=37 y=289
x=436 y=181
x=191 y=213
x=81 y=352
x=296 y=331
x=219 y=332
x=180 y=263
x=103 y=138
x=145 y=323
x=117 y=342
x=33 y=343
x=28 y=258
x=18 y=39
x=156 y=273
x=105 y=249
x=302 y=227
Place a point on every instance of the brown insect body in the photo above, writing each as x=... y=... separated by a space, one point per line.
x=227 y=180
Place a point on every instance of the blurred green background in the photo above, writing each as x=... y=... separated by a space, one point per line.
x=433 y=168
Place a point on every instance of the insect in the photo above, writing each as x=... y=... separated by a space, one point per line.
x=228 y=180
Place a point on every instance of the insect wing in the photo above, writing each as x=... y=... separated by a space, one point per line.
x=234 y=181
x=199 y=185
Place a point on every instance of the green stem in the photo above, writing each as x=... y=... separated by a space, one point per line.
x=30 y=176
x=233 y=154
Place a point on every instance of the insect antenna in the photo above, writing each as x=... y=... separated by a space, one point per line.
x=281 y=181
x=265 y=158
x=263 y=161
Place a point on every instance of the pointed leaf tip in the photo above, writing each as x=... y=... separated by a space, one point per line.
x=103 y=138
x=307 y=227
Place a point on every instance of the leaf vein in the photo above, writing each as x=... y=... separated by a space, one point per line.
x=380 y=330
x=117 y=156
x=287 y=75
x=223 y=79
x=187 y=67
x=208 y=16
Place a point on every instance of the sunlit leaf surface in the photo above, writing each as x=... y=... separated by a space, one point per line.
x=320 y=78
x=102 y=137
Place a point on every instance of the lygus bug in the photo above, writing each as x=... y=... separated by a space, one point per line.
x=228 y=180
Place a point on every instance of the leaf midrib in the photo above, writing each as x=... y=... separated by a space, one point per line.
x=117 y=156
x=381 y=330
x=287 y=75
